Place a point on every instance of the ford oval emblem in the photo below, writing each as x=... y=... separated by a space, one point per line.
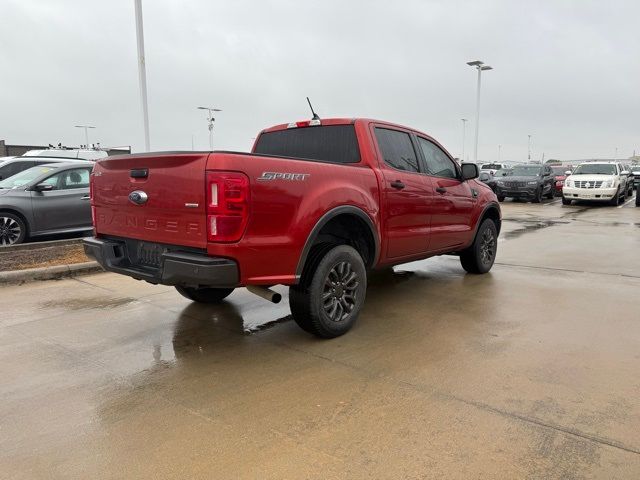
x=138 y=197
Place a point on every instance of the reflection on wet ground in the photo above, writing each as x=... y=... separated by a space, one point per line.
x=521 y=373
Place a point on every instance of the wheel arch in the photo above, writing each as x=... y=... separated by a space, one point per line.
x=331 y=218
x=18 y=213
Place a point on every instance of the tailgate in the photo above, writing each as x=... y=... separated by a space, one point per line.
x=152 y=197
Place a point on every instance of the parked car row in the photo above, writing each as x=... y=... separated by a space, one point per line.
x=590 y=181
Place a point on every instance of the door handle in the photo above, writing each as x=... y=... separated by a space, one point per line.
x=397 y=184
x=441 y=190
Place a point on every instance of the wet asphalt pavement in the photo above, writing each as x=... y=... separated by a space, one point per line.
x=531 y=371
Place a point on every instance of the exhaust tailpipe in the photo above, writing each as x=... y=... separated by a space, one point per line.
x=265 y=293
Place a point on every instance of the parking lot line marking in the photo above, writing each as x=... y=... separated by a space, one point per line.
x=630 y=200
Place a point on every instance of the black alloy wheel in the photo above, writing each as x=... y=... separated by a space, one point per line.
x=340 y=291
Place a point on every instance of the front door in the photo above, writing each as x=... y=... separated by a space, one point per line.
x=453 y=200
x=407 y=194
x=67 y=205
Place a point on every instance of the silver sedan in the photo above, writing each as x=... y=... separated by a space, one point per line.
x=43 y=200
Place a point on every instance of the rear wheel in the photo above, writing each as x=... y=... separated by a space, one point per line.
x=501 y=198
x=327 y=302
x=204 y=295
x=479 y=257
x=12 y=229
x=637 y=198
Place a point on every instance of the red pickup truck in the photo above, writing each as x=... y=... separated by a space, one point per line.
x=314 y=206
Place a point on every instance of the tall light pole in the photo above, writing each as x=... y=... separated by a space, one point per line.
x=480 y=66
x=86 y=133
x=210 y=121
x=464 y=129
x=529 y=149
x=499 y=148
x=142 y=72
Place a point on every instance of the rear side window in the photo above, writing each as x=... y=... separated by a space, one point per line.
x=331 y=143
x=397 y=149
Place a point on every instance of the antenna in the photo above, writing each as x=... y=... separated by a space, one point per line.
x=315 y=115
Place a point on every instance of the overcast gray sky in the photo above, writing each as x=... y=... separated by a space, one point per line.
x=567 y=72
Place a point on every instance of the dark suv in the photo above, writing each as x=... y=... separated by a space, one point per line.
x=528 y=181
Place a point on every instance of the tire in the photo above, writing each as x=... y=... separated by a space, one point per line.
x=205 y=295
x=501 y=198
x=566 y=201
x=616 y=199
x=340 y=278
x=479 y=257
x=637 y=198
x=13 y=229
x=552 y=193
x=538 y=196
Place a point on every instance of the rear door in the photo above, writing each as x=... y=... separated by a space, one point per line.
x=67 y=205
x=174 y=187
x=407 y=194
x=453 y=200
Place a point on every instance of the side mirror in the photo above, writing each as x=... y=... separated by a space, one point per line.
x=42 y=187
x=567 y=173
x=470 y=171
x=624 y=172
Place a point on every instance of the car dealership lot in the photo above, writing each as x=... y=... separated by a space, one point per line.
x=528 y=371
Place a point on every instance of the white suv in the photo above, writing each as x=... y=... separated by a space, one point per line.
x=596 y=181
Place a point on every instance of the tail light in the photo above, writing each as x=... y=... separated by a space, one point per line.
x=227 y=206
x=91 y=198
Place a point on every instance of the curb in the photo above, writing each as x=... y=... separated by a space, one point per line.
x=48 y=273
x=38 y=245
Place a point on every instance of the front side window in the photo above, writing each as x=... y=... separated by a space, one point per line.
x=438 y=163
x=397 y=149
x=69 y=179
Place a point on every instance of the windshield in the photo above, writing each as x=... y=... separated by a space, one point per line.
x=595 y=169
x=503 y=173
x=525 y=171
x=25 y=177
x=559 y=170
x=490 y=166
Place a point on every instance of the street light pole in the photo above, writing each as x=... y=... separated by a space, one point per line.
x=499 y=148
x=86 y=133
x=480 y=66
x=142 y=72
x=529 y=149
x=464 y=128
x=210 y=120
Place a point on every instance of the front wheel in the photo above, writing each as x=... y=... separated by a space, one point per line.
x=479 y=257
x=616 y=198
x=537 y=198
x=204 y=295
x=552 y=193
x=501 y=198
x=328 y=301
x=637 y=198
x=566 y=201
x=12 y=229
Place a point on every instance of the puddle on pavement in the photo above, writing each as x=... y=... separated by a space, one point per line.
x=91 y=303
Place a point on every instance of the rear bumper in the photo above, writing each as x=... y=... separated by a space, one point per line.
x=173 y=267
